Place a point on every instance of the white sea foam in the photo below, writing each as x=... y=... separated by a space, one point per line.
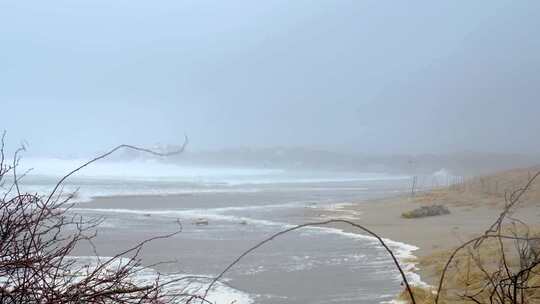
x=173 y=284
x=150 y=177
x=186 y=214
x=148 y=170
x=211 y=213
x=88 y=192
x=402 y=251
x=151 y=170
x=196 y=285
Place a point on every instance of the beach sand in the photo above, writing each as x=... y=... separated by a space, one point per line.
x=473 y=210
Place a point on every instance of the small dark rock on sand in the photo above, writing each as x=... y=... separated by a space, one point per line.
x=201 y=221
x=426 y=211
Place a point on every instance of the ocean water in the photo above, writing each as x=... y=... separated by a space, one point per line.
x=108 y=178
x=242 y=206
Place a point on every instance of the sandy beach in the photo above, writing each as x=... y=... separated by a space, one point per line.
x=473 y=209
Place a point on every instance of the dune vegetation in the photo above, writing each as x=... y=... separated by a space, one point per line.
x=502 y=263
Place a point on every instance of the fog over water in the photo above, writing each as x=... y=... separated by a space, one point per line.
x=357 y=76
x=296 y=112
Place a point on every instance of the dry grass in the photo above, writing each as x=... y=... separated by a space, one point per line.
x=503 y=268
x=480 y=191
x=470 y=273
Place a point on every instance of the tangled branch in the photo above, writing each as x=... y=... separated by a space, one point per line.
x=505 y=283
x=38 y=235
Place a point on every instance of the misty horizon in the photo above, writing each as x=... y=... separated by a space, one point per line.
x=269 y=152
x=365 y=77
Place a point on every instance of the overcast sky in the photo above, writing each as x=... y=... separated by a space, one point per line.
x=368 y=76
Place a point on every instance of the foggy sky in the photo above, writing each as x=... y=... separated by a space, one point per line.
x=367 y=76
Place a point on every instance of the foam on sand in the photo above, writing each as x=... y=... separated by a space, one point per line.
x=402 y=251
x=191 y=284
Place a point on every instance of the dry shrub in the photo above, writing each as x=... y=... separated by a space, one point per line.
x=500 y=266
x=37 y=237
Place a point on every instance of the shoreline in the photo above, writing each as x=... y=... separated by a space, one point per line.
x=471 y=214
x=164 y=205
x=144 y=212
x=354 y=211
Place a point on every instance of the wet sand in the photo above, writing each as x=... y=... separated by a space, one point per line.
x=471 y=214
x=303 y=267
